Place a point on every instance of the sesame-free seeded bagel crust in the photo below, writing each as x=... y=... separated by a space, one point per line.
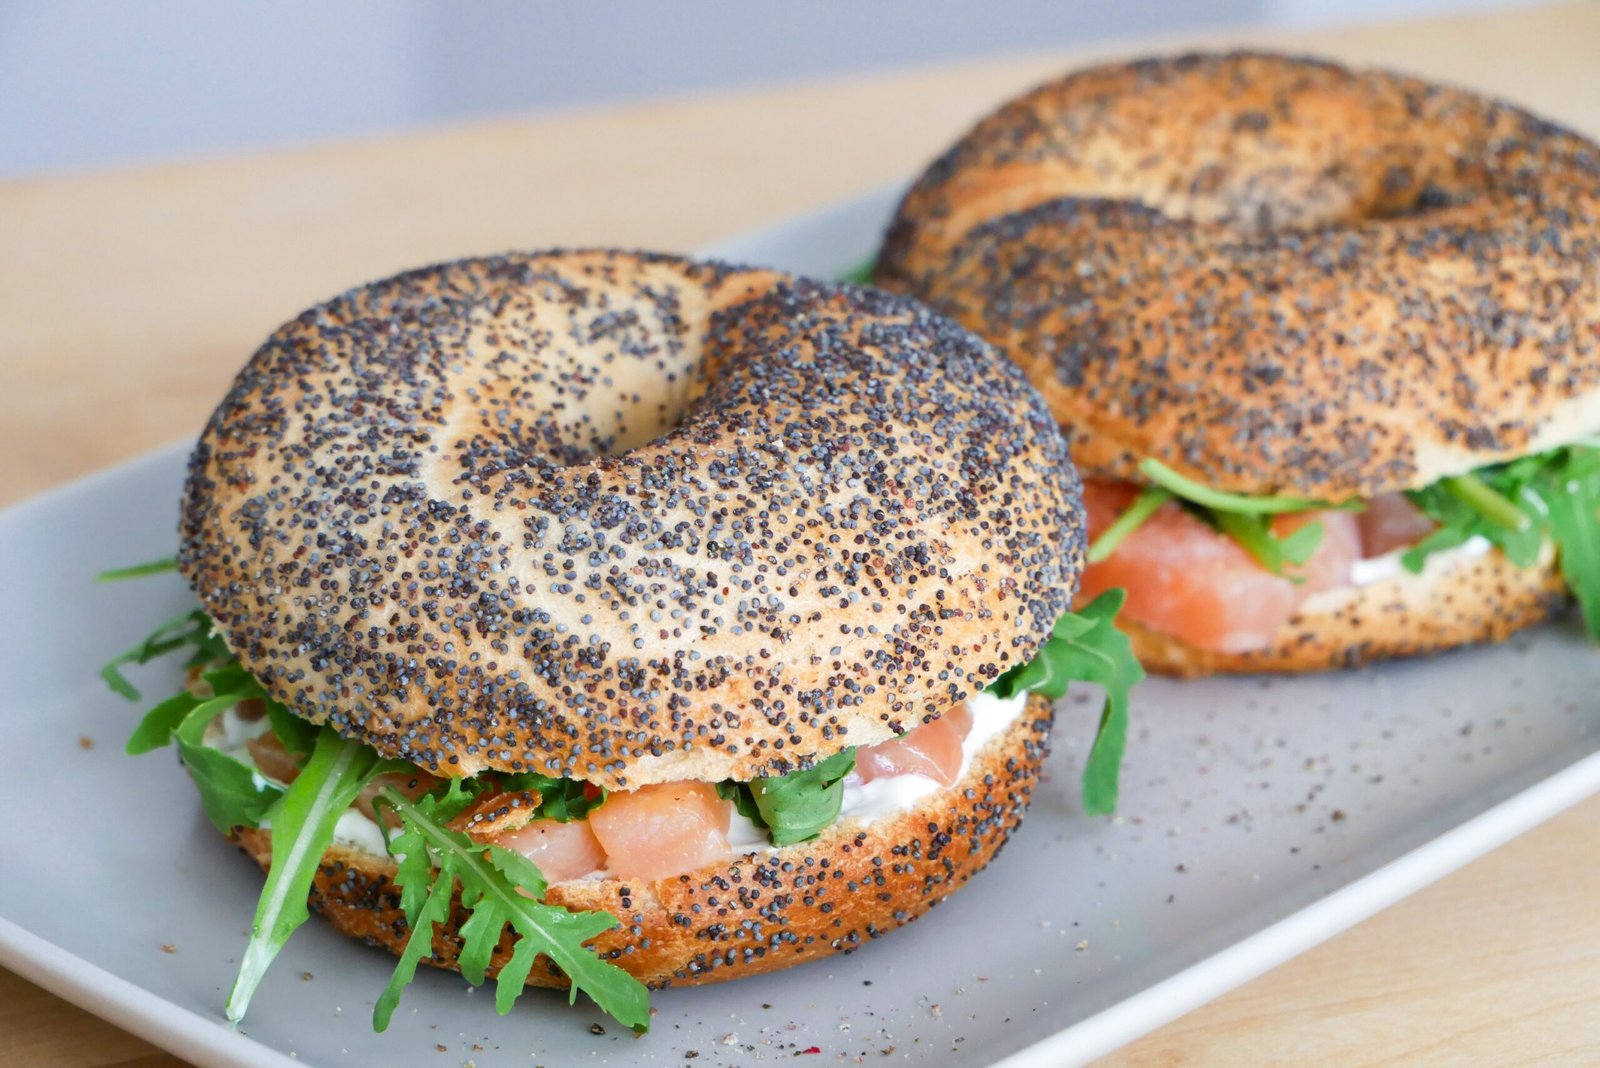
x=1273 y=274
x=627 y=518
x=755 y=913
x=1483 y=599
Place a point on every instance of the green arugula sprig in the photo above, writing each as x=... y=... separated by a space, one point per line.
x=861 y=274
x=154 y=567
x=1247 y=520
x=795 y=807
x=303 y=818
x=232 y=793
x=1275 y=553
x=1149 y=501
x=1219 y=501
x=1086 y=646
x=498 y=888
x=1518 y=506
x=562 y=800
x=191 y=629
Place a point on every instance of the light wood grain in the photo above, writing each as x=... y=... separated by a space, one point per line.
x=37 y=1028
x=128 y=299
x=1495 y=965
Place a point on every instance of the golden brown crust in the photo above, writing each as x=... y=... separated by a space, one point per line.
x=1273 y=274
x=1484 y=599
x=761 y=912
x=627 y=518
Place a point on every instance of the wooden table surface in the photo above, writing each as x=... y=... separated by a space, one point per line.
x=129 y=298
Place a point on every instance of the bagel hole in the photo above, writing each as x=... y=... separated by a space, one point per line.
x=1276 y=195
x=613 y=418
x=578 y=381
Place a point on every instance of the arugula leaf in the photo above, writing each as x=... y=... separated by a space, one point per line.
x=185 y=628
x=1104 y=655
x=1255 y=535
x=1044 y=674
x=743 y=802
x=155 y=730
x=1298 y=547
x=1086 y=646
x=154 y=567
x=1459 y=520
x=302 y=819
x=1244 y=519
x=1517 y=507
x=1220 y=501
x=797 y=806
x=1478 y=495
x=498 y=888
x=802 y=804
x=562 y=800
x=434 y=909
x=1575 y=528
x=232 y=678
x=861 y=274
x=232 y=793
x=1441 y=539
x=1143 y=507
x=297 y=735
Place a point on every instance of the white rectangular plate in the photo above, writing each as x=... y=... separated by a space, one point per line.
x=1258 y=817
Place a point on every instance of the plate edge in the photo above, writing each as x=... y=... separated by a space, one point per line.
x=1177 y=995
x=129 y=1006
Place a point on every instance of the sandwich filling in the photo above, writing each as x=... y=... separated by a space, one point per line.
x=654 y=832
x=495 y=841
x=1225 y=572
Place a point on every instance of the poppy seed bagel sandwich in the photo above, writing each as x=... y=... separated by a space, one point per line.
x=612 y=620
x=1325 y=343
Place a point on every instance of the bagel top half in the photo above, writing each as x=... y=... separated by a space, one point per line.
x=1273 y=274
x=627 y=518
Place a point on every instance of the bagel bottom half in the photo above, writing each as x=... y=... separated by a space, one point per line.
x=758 y=912
x=1486 y=598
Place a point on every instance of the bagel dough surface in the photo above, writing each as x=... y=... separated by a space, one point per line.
x=627 y=518
x=1273 y=274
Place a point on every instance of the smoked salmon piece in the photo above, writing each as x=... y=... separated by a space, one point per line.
x=1391 y=522
x=932 y=750
x=271 y=759
x=1329 y=566
x=1185 y=579
x=413 y=785
x=656 y=832
x=560 y=851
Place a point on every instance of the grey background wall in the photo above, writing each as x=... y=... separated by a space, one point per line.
x=95 y=82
